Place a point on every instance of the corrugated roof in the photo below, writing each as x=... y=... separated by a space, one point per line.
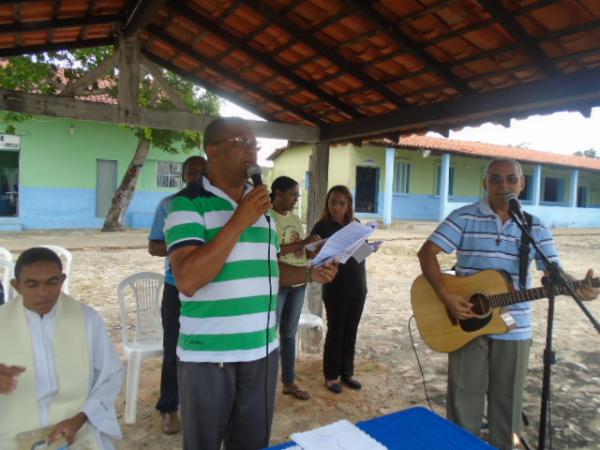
x=480 y=150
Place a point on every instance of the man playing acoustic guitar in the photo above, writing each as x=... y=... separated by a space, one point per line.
x=484 y=236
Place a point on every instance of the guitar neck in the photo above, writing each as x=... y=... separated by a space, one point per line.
x=512 y=298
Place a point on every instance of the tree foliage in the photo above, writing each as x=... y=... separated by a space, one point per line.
x=49 y=73
x=589 y=153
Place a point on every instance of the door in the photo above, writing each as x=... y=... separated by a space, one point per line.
x=106 y=185
x=367 y=189
x=582 y=196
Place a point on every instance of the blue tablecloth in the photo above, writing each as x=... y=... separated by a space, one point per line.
x=416 y=429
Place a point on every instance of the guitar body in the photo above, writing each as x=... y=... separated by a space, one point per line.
x=439 y=329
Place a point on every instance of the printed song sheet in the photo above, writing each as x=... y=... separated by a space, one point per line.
x=343 y=244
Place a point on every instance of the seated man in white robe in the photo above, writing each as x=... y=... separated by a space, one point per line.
x=58 y=366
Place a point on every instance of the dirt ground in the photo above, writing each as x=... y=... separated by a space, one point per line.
x=385 y=361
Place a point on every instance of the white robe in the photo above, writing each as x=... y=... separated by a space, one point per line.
x=106 y=372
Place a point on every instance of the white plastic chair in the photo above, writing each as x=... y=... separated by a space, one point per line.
x=5 y=254
x=67 y=257
x=146 y=290
x=8 y=268
x=307 y=320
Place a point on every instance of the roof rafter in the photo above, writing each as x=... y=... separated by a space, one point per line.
x=348 y=66
x=141 y=16
x=30 y=49
x=408 y=44
x=263 y=59
x=71 y=22
x=506 y=20
x=273 y=98
x=562 y=91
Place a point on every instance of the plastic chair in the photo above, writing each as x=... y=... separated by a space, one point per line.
x=307 y=321
x=5 y=254
x=67 y=258
x=146 y=290
x=8 y=268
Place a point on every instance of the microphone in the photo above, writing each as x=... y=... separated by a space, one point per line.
x=255 y=174
x=514 y=206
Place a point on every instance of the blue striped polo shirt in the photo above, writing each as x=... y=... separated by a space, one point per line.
x=482 y=241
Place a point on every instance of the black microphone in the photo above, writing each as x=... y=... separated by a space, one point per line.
x=255 y=174
x=514 y=205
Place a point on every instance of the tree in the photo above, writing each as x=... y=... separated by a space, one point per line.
x=589 y=153
x=50 y=73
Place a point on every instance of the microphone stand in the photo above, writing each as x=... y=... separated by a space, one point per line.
x=556 y=278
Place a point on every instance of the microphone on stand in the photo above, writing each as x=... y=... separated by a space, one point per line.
x=514 y=205
x=255 y=174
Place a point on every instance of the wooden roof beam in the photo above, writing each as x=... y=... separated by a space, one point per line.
x=507 y=21
x=32 y=49
x=275 y=99
x=550 y=94
x=407 y=43
x=303 y=36
x=141 y=16
x=263 y=59
x=71 y=22
x=85 y=80
x=53 y=106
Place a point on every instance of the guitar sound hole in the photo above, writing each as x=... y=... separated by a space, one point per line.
x=480 y=304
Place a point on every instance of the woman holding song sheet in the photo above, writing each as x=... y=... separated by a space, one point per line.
x=344 y=297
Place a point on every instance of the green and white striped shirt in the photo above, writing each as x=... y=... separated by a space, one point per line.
x=225 y=320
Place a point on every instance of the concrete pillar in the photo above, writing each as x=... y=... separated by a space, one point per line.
x=444 y=185
x=574 y=185
x=536 y=183
x=388 y=193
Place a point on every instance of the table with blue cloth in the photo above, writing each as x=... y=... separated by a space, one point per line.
x=416 y=429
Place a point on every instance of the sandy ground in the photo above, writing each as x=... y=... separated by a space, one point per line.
x=385 y=361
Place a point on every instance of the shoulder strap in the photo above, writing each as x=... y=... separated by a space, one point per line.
x=524 y=250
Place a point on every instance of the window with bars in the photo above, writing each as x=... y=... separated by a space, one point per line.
x=401 y=177
x=168 y=174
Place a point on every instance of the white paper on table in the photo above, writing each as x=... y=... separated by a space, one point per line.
x=343 y=243
x=341 y=435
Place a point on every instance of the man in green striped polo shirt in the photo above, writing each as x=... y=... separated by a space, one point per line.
x=223 y=251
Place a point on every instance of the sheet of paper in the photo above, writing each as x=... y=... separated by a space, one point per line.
x=343 y=243
x=313 y=245
x=341 y=435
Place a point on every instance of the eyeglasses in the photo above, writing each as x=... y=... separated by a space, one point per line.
x=241 y=141
x=497 y=179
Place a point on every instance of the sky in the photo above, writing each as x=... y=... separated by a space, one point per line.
x=561 y=132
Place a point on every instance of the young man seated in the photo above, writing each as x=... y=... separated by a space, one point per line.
x=58 y=366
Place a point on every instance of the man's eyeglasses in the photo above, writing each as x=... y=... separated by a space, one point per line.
x=241 y=141
x=497 y=179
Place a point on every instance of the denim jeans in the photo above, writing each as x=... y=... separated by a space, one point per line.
x=289 y=307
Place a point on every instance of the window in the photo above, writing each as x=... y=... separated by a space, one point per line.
x=450 y=180
x=168 y=174
x=401 y=177
x=526 y=194
x=554 y=190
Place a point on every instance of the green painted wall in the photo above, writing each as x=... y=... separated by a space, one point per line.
x=47 y=145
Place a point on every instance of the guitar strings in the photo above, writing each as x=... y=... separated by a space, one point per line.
x=412 y=342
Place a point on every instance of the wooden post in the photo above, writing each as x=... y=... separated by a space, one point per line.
x=129 y=78
x=311 y=339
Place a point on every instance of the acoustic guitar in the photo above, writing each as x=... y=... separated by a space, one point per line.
x=488 y=291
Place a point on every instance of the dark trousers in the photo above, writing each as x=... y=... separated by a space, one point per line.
x=227 y=403
x=343 y=316
x=169 y=311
